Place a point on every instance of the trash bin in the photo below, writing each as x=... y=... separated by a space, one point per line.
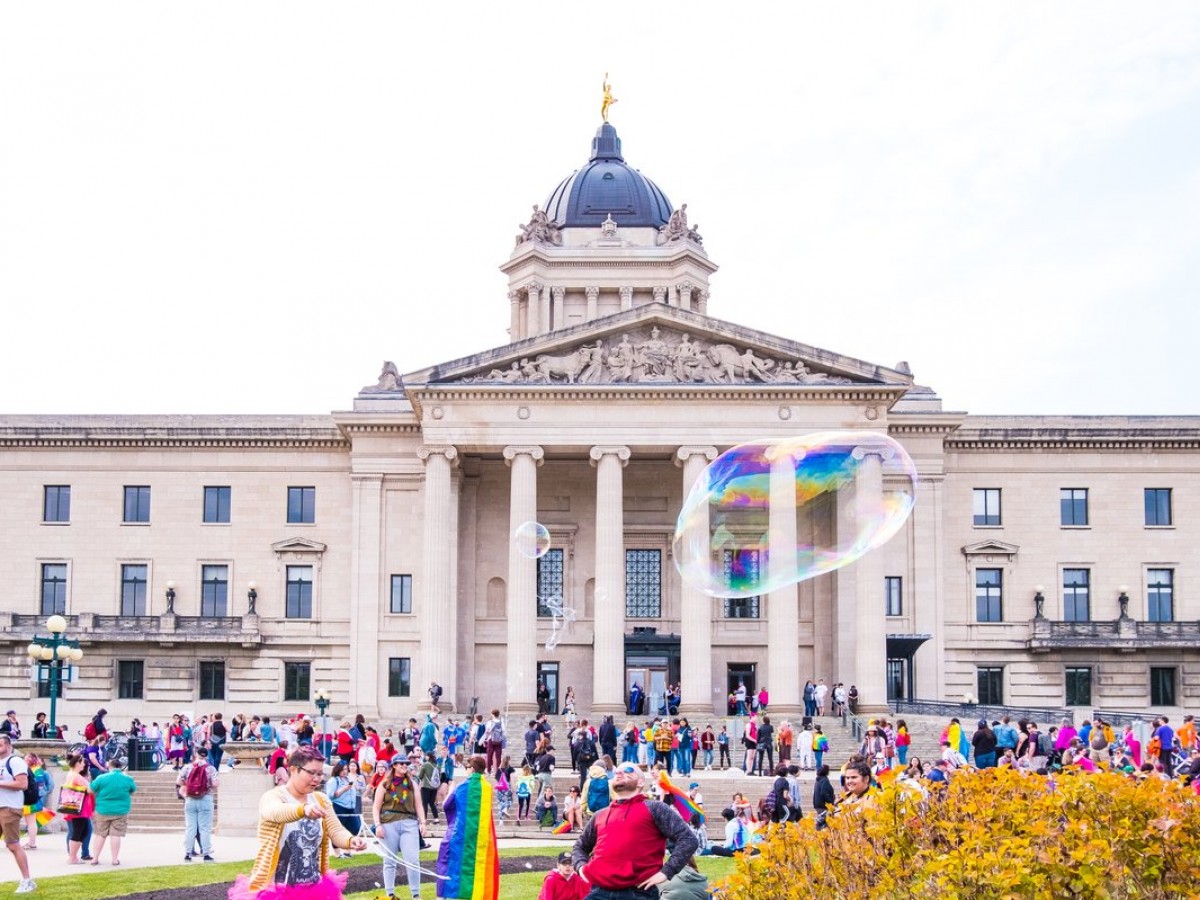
x=132 y=761
x=141 y=754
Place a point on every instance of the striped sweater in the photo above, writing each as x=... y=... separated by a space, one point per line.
x=275 y=810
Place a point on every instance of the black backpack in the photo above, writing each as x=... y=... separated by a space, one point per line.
x=31 y=795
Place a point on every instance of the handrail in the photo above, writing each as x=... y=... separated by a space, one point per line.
x=1119 y=717
x=971 y=711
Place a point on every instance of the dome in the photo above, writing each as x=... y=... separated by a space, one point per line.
x=607 y=186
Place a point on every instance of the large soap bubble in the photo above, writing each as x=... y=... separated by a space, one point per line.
x=833 y=496
x=532 y=539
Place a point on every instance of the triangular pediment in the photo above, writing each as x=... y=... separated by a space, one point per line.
x=658 y=345
x=298 y=545
x=990 y=548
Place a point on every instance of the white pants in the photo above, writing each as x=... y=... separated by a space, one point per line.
x=807 y=760
x=402 y=837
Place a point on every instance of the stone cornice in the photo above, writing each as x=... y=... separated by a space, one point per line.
x=657 y=393
x=171 y=431
x=134 y=442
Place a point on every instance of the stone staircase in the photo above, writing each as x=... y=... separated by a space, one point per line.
x=155 y=805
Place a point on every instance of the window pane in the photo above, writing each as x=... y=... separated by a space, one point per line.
x=990 y=681
x=302 y=505
x=1158 y=506
x=399 y=676
x=216 y=505
x=295 y=681
x=986 y=506
x=549 y=582
x=401 y=594
x=133 y=590
x=299 y=592
x=212 y=680
x=56 y=506
x=1076 y=595
x=129 y=679
x=214 y=591
x=893 y=596
x=643 y=584
x=1162 y=686
x=1160 y=595
x=1079 y=686
x=988 y=595
x=137 y=504
x=54 y=589
x=745 y=565
x=1073 y=503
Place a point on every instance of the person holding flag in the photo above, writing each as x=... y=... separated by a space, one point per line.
x=468 y=861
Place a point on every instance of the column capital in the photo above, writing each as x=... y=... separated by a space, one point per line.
x=683 y=454
x=621 y=453
x=660 y=295
x=451 y=453
x=592 y=292
x=558 y=292
x=512 y=452
x=536 y=287
x=514 y=296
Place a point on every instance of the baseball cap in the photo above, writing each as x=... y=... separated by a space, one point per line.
x=399 y=761
x=694 y=784
x=564 y=857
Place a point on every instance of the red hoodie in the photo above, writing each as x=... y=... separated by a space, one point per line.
x=556 y=887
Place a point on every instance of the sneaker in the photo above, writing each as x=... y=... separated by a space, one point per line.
x=187 y=857
x=208 y=857
x=27 y=886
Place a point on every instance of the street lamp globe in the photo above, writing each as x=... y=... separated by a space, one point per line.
x=47 y=654
x=56 y=624
x=76 y=654
x=62 y=651
x=34 y=651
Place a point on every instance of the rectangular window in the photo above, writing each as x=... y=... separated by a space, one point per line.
x=893 y=595
x=399 y=676
x=1073 y=506
x=129 y=679
x=56 y=503
x=741 y=566
x=643 y=584
x=212 y=680
x=214 y=591
x=1076 y=595
x=1160 y=595
x=54 y=589
x=295 y=680
x=1162 y=686
x=216 y=505
x=302 y=505
x=550 y=582
x=990 y=681
x=401 y=594
x=1079 y=686
x=133 y=590
x=989 y=595
x=299 y=592
x=1158 y=506
x=137 y=503
x=987 y=506
x=44 y=675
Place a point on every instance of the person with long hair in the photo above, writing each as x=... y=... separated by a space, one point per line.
x=296 y=825
x=342 y=790
x=78 y=823
x=399 y=819
x=573 y=809
x=36 y=814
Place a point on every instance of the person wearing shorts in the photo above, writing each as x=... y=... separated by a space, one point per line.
x=14 y=775
x=114 y=792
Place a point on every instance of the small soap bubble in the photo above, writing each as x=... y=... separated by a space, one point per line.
x=532 y=539
x=767 y=514
x=529 y=865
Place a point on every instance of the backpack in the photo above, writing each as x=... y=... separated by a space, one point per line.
x=597 y=795
x=89 y=731
x=196 y=785
x=587 y=749
x=433 y=780
x=522 y=788
x=1043 y=745
x=31 y=795
x=1098 y=742
x=496 y=735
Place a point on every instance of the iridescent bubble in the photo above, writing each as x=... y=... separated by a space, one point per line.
x=532 y=539
x=771 y=513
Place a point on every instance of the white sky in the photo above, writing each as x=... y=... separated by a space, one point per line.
x=233 y=207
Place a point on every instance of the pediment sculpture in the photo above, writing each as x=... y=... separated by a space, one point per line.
x=677 y=229
x=389 y=380
x=539 y=229
x=656 y=357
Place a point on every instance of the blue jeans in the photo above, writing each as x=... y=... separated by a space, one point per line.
x=198 y=819
x=599 y=893
x=741 y=707
x=650 y=754
x=819 y=754
x=707 y=758
x=683 y=760
x=629 y=753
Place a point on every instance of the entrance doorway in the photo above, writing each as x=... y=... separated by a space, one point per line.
x=896 y=680
x=547 y=674
x=741 y=673
x=651 y=663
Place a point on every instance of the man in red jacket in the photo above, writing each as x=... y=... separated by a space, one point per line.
x=620 y=853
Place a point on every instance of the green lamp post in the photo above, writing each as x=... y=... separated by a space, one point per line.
x=55 y=650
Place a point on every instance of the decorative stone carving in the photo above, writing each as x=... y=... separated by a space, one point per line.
x=677 y=229
x=655 y=357
x=608 y=227
x=389 y=380
x=540 y=230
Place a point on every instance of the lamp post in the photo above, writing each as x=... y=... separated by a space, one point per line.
x=55 y=650
x=322 y=700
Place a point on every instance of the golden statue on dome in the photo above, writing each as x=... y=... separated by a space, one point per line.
x=608 y=100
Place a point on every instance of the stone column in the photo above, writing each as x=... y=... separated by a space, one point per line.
x=514 y=325
x=559 y=316
x=702 y=303
x=660 y=295
x=436 y=602
x=925 y=595
x=870 y=626
x=544 y=312
x=366 y=590
x=608 y=652
x=626 y=298
x=685 y=295
x=522 y=583
x=532 y=310
x=695 y=609
x=783 y=604
x=593 y=302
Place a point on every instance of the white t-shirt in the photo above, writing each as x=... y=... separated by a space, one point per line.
x=820 y=692
x=11 y=768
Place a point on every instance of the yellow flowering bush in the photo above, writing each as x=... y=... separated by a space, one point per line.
x=992 y=834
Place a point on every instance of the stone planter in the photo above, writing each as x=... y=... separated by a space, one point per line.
x=241 y=788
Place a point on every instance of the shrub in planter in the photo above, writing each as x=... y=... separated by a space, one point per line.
x=991 y=834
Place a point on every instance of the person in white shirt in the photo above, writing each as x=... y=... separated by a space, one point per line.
x=804 y=746
x=14 y=776
x=819 y=695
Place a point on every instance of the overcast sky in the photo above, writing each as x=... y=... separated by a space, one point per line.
x=230 y=207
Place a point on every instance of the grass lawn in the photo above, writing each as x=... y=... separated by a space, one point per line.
x=135 y=881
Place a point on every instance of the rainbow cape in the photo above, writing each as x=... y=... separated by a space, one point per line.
x=468 y=856
x=562 y=827
x=681 y=801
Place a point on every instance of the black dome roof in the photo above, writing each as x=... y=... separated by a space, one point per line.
x=607 y=186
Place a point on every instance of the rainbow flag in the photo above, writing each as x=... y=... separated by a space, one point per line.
x=682 y=802
x=562 y=827
x=468 y=856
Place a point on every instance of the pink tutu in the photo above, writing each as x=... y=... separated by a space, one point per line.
x=328 y=888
